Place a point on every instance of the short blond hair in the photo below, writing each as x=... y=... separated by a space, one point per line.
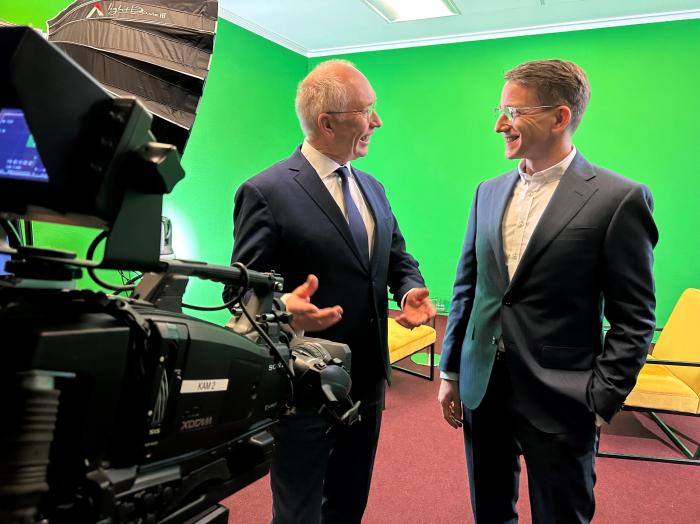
x=556 y=82
x=322 y=90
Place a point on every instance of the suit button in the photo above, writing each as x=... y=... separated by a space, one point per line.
x=494 y=340
x=507 y=302
x=371 y=321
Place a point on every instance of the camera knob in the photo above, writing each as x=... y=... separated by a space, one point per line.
x=168 y=495
x=149 y=501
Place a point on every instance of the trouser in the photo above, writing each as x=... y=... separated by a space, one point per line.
x=321 y=472
x=560 y=466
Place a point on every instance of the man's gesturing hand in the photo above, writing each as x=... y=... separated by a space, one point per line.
x=308 y=317
x=417 y=308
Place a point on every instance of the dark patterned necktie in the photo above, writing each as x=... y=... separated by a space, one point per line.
x=357 y=225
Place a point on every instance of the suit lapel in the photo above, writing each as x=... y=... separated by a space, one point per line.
x=311 y=183
x=570 y=196
x=498 y=209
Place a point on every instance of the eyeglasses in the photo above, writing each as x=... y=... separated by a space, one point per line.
x=367 y=112
x=512 y=112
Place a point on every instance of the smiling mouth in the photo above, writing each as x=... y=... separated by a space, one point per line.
x=365 y=139
x=510 y=139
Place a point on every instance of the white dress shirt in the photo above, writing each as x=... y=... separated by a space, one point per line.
x=530 y=198
x=325 y=167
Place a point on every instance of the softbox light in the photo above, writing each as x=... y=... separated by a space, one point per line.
x=158 y=51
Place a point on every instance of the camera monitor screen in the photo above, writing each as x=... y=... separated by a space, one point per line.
x=19 y=158
x=3 y=257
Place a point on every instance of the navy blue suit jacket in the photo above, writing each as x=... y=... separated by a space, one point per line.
x=590 y=256
x=286 y=220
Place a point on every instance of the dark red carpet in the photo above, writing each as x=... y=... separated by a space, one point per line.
x=420 y=473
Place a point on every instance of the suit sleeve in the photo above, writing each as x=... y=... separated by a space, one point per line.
x=629 y=301
x=254 y=232
x=462 y=297
x=403 y=274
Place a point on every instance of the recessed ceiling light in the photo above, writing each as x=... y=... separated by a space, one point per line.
x=404 y=10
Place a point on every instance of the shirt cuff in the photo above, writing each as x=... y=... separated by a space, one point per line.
x=283 y=299
x=449 y=375
x=403 y=299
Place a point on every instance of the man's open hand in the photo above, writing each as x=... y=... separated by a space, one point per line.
x=308 y=317
x=417 y=309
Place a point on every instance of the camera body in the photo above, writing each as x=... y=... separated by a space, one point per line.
x=138 y=411
x=158 y=415
x=122 y=409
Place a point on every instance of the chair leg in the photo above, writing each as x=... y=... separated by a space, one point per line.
x=411 y=372
x=428 y=376
x=432 y=361
x=692 y=458
x=674 y=438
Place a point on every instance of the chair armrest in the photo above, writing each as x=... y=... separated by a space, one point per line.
x=673 y=363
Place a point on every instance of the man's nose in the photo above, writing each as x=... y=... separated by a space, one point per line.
x=375 y=120
x=502 y=123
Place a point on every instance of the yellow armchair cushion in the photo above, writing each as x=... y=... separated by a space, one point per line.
x=658 y=388
x=404 y=342
x=679 y=339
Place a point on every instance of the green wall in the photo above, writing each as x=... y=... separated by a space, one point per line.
x=437 y=141
x=245 y=123
x=30 y=12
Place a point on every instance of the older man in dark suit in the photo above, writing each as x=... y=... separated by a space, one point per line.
x=315 y=214
x=551 y=248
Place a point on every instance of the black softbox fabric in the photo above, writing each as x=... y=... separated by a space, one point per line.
x=158 y=51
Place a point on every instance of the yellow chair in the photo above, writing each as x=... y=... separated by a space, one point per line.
x=670 y=380
x=405 y=342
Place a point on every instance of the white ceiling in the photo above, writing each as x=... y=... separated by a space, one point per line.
x=325 y=27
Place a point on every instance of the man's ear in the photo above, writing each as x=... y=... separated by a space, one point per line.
x=325 y=125
x=563 y=118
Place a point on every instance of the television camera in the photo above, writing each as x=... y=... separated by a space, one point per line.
x=123 y=409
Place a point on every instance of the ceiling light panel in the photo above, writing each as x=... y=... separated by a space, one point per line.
x=405 y=10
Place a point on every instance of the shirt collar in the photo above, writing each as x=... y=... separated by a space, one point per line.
x=324 y=166
x=547 y=175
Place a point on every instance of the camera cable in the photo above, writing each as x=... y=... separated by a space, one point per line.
x=91 y=270
x=258 y=328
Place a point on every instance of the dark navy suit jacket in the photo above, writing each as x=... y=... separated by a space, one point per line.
x=286 y=220
x=590 y=256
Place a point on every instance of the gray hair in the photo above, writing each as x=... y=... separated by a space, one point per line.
x=322 y=90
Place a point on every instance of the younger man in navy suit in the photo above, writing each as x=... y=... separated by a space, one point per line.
x=550 y=249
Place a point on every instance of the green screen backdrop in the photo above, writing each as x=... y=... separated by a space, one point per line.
x=437 y=140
